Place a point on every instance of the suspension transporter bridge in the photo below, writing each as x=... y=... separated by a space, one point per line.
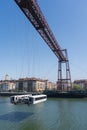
x=34 y=14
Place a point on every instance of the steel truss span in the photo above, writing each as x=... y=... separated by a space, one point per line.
x=34 y=14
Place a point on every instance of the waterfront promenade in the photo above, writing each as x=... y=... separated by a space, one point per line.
x=55 y=113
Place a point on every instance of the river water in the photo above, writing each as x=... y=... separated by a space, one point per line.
x=54 y=114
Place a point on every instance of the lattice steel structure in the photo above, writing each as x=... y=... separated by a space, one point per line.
x=64 y=81
x=34 y=14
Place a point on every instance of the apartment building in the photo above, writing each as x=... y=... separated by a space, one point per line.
x=30 y=85
x=7 y=85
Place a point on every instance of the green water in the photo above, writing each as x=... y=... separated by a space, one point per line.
x=54 y=114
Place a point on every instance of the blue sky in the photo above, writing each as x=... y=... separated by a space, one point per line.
x=23 y=53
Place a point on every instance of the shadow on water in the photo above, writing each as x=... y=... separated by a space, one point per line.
x=15 y=116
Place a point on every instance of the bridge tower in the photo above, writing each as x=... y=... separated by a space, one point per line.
x=64 y=76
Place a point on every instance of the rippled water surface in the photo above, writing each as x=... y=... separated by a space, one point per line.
x=54 y=114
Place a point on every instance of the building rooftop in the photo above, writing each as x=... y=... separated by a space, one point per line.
x=32 y=79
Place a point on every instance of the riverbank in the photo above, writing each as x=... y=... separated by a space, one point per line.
x=51 y=94
x=13 y=93
x=70 y=94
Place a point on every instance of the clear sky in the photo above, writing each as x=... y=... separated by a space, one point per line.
x=23 y=53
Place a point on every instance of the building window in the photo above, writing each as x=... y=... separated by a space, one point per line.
x=20 y=86
x=29 y=89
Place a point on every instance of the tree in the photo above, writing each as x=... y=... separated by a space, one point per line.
x=77 y=87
